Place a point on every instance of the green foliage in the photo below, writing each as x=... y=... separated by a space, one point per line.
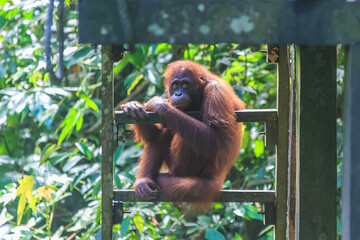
x=50 y=143
x=212 y=234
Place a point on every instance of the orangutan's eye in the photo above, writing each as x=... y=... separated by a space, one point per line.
x=185 y=85
x=175 y=85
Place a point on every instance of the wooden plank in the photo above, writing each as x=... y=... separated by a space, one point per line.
x=316 y=142
x=271 y=133
x=292 y=154
x=247 y=115
x=265 y=196
x=351 y=167
x=282 y=143
x=107 y=142
x=216 y=21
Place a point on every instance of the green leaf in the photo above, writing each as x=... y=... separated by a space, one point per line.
x=135 y=83
x=71 y=162
x=24 y=114
x=240 y=89
x=19 y=102
x=139 y=222
x=124 y=226
x=203 y=220
x=240 y=212
x=64 y=133
x=11 y=91
x=218 y=205
x=79 y=121
x=138 y=57
x=68 y=124
x=121 y=65
x=84 y=150
x=17 y=75
x=268 y=231
x=117 y=181
x=5 y=217
x=56 y=91
x=151 y=77
x=338 y=226
x=259 y=148
x=118 y=152
x=212 y=234
x=130 y=79
x=237 y=237
x=96 y=189
x=59 y=158
x=24 y=191
x=252 y=212
x=91 y=104
x=192 y=230
x=78 y=55
x=49 y=149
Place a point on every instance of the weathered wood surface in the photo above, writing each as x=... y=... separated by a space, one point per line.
x=292 y=154
x=281 y=171
x=107 y=141
x=216 y=21
x=226 y=196
x=247 y=115
x=351 y=174
x=316 y=142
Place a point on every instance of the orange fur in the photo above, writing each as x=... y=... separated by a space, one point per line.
x=198 y=153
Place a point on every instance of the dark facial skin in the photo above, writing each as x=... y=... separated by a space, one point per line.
x=185 y=93
x=182 y=90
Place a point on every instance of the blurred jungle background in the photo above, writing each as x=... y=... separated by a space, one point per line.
x=50 y=155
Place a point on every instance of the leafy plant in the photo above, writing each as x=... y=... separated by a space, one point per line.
x=50 y=155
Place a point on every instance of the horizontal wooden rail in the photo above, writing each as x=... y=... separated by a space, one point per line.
x=260 y=196
x=247 y=115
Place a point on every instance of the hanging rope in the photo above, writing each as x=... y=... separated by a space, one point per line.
x=60 y=70
x=48 y=24
x=49 y=21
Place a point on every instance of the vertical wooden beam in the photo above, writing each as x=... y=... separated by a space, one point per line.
x=292 y=153
x=316 y=142
x=282 y=144
x=107 y=141
x=351 y=170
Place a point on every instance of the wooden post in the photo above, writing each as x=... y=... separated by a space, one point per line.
x=107 y=141
x=351 y=170
x=316 y=142
x=292 y=154
x=282 y=144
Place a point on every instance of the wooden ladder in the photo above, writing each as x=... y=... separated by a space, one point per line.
x=276 y=133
